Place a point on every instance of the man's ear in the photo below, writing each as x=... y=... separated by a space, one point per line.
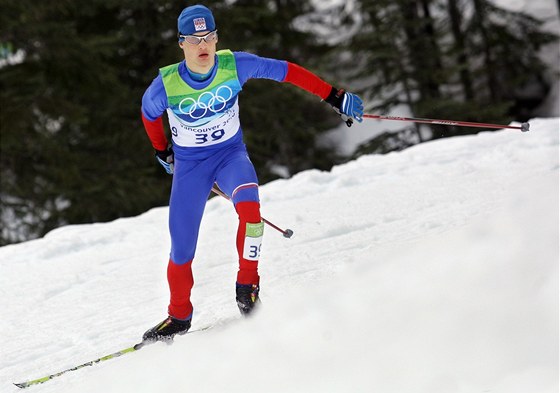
x=181 y=44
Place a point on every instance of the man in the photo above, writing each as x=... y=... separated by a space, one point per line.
x=200 y=96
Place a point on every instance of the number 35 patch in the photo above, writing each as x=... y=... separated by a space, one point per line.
x=253 y=241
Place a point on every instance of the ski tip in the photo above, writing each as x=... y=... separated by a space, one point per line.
x=139 y=345
x=21 y=385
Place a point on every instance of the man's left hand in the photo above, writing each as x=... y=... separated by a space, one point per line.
x=348 y=105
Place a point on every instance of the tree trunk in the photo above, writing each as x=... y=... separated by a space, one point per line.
x=462 y=58
x=422 y=56
x=490 y=64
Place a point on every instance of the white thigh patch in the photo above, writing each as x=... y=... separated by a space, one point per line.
x=253 y=241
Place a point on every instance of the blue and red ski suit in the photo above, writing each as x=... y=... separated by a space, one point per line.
x=208 y=148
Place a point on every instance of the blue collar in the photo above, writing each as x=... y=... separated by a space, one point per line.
x=199 y=77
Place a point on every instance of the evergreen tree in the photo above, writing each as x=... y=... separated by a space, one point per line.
x=72 y=147
x=280 y=123
x=512 y=71
x=72 y=150
x=480 y=66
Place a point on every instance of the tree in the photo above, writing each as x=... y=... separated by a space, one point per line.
x=513 y=71
x=473 y=61
x=72 y=147
x=280 y=123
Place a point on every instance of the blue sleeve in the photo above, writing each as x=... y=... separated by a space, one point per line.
x=252 y=66
x=154 y=101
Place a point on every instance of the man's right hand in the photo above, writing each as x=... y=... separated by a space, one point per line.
x=165 y=158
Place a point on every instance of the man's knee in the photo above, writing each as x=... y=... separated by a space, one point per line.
x=245 y=193
x=248 y=211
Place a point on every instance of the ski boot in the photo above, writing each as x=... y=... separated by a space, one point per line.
x=247 y=297
x=166 y=330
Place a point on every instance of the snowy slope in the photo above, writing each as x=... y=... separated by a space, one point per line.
x=430 y=270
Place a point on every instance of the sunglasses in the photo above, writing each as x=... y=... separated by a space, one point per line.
x=197 y=39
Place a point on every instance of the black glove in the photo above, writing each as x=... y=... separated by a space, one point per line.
x=165 y=158
x=348 y=105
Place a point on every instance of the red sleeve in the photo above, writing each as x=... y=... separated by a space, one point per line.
x=155 y=132
x=307 y=80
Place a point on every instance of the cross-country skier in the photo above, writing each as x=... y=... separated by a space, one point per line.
x=200 y=96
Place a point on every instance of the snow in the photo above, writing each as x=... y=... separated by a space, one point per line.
x=434 y=269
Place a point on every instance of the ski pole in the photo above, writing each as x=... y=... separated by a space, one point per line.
x=524 y=126
x=287 y=233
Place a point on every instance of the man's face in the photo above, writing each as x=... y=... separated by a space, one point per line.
x=200 y=57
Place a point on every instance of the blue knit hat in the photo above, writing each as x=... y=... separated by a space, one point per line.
x=194 y=19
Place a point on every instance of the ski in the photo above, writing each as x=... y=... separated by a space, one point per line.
x=117 y=354
x=90 y=363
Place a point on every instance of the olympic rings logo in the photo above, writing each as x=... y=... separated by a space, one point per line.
x=206 y=102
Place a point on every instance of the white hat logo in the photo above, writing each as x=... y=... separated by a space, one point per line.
x=199 y=24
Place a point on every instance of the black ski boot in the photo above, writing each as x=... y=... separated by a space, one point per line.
x=166 y=330
x=247 y=297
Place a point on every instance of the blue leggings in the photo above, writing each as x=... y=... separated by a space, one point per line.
x=234 y=173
